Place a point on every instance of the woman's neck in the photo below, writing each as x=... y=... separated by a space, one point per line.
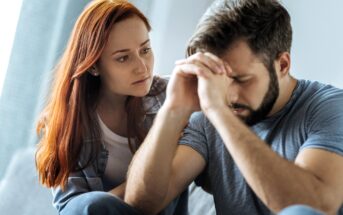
x=111 y=109
x=113 y=100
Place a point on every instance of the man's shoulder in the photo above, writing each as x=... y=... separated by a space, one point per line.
x=201 y=123
x=198 y=118
x=321 y=91
x=319 y=104
x=314 y=94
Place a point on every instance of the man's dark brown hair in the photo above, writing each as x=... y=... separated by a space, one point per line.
x=263 y=24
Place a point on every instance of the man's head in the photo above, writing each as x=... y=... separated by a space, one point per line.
x=254 y=37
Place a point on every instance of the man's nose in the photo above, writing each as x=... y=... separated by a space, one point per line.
x=233 y=93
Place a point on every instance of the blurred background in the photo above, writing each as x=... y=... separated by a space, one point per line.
x=34 y=34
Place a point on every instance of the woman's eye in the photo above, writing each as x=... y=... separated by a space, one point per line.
x=122 y=59
x=146 y=50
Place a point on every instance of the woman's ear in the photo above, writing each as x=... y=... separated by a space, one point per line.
x=93 y=71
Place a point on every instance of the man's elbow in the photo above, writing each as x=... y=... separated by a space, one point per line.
x=327 y=200
x=321 y=202
x=144 y=207
x=330 y=203
x=145 y=202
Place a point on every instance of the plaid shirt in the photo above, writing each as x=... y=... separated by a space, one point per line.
x=90 y=178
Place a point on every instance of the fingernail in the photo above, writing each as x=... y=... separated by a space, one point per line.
x=228 y=68
x=224 y=69
x=227 y=65
x=219 y=70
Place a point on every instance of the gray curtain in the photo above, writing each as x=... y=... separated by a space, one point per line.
x=43 y=29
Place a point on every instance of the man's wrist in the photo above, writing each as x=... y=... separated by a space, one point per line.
x=175 y=115
x=217 y=113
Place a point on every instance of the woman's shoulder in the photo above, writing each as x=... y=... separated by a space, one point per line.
x=159 y=85
x=154 y=100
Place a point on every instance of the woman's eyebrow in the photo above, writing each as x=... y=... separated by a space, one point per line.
x=126 y=50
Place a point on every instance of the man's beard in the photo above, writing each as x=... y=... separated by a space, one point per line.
x=267 y=104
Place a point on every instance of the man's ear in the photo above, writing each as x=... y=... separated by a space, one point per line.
x=283 y=63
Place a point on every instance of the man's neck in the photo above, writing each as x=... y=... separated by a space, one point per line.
x=286 y=87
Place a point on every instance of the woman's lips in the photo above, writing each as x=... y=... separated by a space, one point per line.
x=141 y=81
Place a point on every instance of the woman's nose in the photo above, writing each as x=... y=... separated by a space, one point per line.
x=141 y=65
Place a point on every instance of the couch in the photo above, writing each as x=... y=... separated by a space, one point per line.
x=21 y=194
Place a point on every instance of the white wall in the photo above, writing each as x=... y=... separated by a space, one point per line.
x=317 y=51
x=173 y=22
x=318 y=40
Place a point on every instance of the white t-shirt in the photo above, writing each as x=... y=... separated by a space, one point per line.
x=119 y=156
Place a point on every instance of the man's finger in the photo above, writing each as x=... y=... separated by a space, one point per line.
x=220 y=63
x=215 y=65
x=193 y=69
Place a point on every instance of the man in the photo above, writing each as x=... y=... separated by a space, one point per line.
x=263 y=140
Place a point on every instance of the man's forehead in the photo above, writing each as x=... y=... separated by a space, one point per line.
x=239 y=52
x=242 y=60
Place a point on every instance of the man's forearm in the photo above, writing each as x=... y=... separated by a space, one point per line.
x=275 y=180
x=150 y=170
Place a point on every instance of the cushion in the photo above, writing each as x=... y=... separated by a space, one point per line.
x=20 y=192
x=200 y=202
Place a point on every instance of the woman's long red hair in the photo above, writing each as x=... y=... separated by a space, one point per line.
x=69 y=117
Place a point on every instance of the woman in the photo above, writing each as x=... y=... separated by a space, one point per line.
x=103 y=101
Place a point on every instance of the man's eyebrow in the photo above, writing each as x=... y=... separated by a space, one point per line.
x=126 y=50
x=239 y=76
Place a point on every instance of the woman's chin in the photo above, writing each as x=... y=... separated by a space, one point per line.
x=141 y=93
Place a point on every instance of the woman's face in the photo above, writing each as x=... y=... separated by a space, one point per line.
x=126 y=64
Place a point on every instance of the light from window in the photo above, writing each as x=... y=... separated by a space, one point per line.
x=9 y=16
